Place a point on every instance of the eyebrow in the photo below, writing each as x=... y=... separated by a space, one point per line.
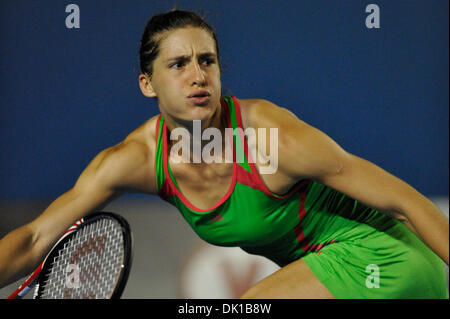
x=188 y=57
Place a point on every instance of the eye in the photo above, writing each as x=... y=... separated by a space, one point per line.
x=177 y=65
x=207 y=61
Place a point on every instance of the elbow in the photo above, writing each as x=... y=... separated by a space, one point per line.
x=344 y=164
x=395 y=215
x=34 y=246
x=18 y=254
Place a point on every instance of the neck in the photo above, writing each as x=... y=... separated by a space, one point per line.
x=217 y=120
x=193 y=130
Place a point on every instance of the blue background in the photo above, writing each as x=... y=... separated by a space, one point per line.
x=382 y=94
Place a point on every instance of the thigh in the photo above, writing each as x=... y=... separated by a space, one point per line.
x=293 y=281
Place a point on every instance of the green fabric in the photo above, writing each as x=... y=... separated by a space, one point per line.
x=337 y=236
x=393 y=264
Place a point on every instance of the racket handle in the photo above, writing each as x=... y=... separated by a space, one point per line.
x=27 y=285
x=23 y=292
x=32 y=279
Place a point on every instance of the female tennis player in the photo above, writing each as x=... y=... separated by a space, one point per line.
x=338 y=225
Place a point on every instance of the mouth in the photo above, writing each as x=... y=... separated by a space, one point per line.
x=200 y=98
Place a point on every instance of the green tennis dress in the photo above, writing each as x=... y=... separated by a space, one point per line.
x=354 y=250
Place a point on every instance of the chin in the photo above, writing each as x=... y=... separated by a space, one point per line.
x=202 y=113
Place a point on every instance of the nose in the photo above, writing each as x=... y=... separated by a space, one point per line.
x=198 y=76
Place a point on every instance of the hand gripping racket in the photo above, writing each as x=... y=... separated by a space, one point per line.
x=91 y=260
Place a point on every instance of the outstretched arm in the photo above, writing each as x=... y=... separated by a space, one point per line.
x=306 y=152
x=111 y=173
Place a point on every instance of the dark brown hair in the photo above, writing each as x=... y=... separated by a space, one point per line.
x=175 y=19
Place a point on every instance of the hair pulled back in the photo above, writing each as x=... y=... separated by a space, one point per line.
x=160 y=23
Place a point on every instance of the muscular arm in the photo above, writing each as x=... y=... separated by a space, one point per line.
x=111 y=173
x=306 y=152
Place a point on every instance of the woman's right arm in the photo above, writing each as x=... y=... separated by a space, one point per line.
x=113 y=172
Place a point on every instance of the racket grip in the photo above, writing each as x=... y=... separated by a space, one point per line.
x=32 y=279
x=27 y=285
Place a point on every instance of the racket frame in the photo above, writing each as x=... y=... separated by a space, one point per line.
x=38 y=277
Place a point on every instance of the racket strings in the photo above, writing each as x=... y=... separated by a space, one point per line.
x=88 y=265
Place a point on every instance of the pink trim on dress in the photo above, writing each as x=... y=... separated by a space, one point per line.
x=257 y=180
x=173 y=190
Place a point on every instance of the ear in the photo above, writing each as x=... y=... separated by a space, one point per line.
x=146 y=86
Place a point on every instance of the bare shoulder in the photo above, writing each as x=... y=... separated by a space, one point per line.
x=129 y=165
x=138 y=147
x=261 y=113
x=145 y=133
x=303 y=150
x=258 y=113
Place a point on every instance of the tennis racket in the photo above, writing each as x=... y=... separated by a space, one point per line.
x=91 y=260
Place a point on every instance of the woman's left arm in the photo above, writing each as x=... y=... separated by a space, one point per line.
x=306 y=152
x=379 y=189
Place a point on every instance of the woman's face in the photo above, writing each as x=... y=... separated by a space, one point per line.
x=186 y=75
